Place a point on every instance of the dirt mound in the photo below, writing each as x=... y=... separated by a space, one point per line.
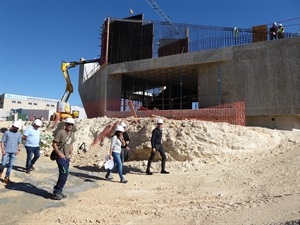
x=184 y=141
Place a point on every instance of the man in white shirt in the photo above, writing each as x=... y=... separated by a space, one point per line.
x=32 y=144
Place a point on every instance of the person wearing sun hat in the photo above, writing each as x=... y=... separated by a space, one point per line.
x=10 y=148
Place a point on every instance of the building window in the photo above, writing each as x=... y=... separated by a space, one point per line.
x=19 y=102
x=29 y=103
x=34 y=103
x=52 y=105
x=13 y=101
x=47 y=105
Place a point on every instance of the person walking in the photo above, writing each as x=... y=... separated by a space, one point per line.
x=32 y=144
x=63 y=146
x=124 y=148
x=280 y=31
x=156 y=145
x=115 y=153
x=10 y=148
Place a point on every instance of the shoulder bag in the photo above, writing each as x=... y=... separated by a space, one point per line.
x=54 y=155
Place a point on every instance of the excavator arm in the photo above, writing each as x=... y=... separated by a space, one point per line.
x=63 y=109
x=65 y=66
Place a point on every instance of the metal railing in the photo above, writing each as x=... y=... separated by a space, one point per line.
x=203 y=37
x=207 y=37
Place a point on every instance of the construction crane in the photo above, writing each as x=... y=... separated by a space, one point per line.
x=162 y=15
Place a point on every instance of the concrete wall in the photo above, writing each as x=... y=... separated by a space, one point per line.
x=114 y=87
x=265 y=75
x=285 y=122
x=93 y=93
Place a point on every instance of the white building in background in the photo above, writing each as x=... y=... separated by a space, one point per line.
x=3 y=114
x=32 y=107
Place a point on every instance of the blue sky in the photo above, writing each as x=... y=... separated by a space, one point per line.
x=36 y=35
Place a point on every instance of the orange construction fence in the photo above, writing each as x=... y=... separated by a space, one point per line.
x=233 y=113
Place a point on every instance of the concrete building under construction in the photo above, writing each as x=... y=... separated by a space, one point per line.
x=185 y=71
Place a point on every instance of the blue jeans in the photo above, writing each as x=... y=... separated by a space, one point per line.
x=32 y=151
x=118 y=163
x=8 y=161
x=63 y=169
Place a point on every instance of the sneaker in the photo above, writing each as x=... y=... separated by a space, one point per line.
x=165 y=172
x=32 y=168
x=148 y=172
x=57 y=196
x=27 y=171
x=63 y=195
x=6 y=180
x=108 y=177
x=124 y=181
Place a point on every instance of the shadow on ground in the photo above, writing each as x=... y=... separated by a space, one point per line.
x=86 y=177
x=127 y=169
x=19 y=168
x=29 y=188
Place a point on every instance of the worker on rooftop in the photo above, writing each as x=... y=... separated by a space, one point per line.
x=280 y=31
x=273 y=31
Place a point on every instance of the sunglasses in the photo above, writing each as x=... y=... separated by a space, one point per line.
x=69 y=124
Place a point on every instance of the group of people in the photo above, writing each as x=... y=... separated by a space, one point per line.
x=11 y=146
x=276 y=32
x=119 y=150
x=63 y=146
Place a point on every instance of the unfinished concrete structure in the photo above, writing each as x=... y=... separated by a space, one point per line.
x=265 y=75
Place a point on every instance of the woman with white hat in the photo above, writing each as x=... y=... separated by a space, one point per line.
x=115 y=153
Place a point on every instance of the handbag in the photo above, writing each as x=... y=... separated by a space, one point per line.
x=54 y=155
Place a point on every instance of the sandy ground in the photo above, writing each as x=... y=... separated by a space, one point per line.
x=232 y=175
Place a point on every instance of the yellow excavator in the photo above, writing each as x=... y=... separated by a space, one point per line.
x=63 y=108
